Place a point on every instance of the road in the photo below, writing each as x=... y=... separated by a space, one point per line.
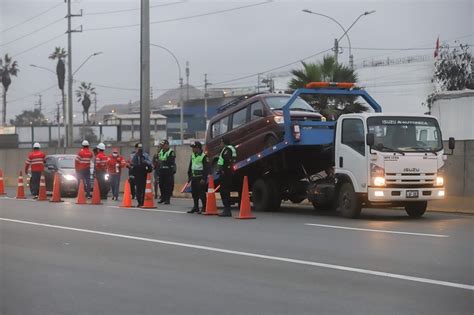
x=74 y=259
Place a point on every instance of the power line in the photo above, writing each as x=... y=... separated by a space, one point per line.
x=400 y=49
x=31 y=33
x=134 y=9
x=31 y=18
x=181 y=18
x=38 y=45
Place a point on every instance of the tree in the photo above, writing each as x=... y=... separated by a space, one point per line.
x=453 y=68
x=29 y=117
x=60 y=54
x=84 y=93
x=327 y=71
x=8 y=68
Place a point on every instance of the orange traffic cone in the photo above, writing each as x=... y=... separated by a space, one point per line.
x=20 y=192
x=148 y=202
x=245 y=208
x=2 y=185
x=211 y=204
x=96 y=194
x=42 y=190
x=127 y=196
x=81 y=194
x=56 y=189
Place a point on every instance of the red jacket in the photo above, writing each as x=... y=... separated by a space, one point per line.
x=36 y=160
x=101 y=161
x=115 y=164
x=83 y=159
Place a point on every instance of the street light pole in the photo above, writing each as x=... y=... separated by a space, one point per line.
x=86 y=60
x=145 y=75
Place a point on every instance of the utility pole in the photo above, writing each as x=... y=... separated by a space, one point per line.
x=336 y=49
x=187 y=80
x=206 y=95
x=145 y=75
x=258 y=83
x=70 y=123
x=58 y=120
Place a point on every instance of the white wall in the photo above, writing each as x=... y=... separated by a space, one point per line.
x=455 y=112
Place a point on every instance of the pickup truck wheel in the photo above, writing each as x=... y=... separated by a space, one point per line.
x=263 y=196
x=348 y=203
x=270 y=141
x=416 y=209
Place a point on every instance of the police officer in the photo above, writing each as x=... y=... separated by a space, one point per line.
x=141 y=165
x=100 y=168
x=167 y=169
x=225 y=163
x=198 y=171
x=131 y=176
x=83 y=167
x=156 y=169
x=36 y=161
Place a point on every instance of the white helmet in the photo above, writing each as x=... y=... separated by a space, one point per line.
x=36 y=145
x=101 y=146
x=85 y=143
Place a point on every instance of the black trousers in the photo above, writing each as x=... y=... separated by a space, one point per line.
x=225 y=189
x=131 y=180
x=100 y=177
x=140 y=181
x=199 y=192
x=34 y=183
x=166 y=186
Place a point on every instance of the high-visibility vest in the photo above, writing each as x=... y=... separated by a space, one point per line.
x=83 y=159
x=36 y=161
x=220 y=161
x=197 y=165
x=163 y=156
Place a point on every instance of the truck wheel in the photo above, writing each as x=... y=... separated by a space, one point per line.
x=263 y=195
x=275 y=194
x=324 y=207
x=348 y=203
x=416 y=209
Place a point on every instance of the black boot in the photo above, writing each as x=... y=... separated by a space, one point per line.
x=225 y=213
x=193 y=210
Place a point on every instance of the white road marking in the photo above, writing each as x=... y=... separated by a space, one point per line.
x=260 y=256
x=32 y=200
x=372 y=230
x=144 y=209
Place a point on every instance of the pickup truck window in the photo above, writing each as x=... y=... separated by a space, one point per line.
x=220 y=127
x=353 y=134
x=253 y=107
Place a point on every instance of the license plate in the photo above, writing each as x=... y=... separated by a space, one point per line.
x=412 y=193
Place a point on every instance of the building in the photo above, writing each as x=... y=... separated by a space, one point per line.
x=129 y=125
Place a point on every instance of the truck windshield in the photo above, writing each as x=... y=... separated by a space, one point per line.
x=277 y=102
x=405 y=134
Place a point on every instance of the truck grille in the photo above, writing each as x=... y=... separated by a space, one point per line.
x=410 y=179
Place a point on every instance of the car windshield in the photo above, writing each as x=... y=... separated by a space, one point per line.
x=277 y=102
x=405 y=134
x=66 y=162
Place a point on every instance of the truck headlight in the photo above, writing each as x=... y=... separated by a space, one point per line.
x=379 y=181
x=69 y=177
x=439 y=181
x=279 y=120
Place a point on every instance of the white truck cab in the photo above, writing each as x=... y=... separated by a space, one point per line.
x=392 y=159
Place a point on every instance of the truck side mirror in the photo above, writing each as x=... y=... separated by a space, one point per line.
x=370 y=139
x=451 y=143
x=258 y=113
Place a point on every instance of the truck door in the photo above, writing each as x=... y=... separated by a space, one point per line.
x=351 y=152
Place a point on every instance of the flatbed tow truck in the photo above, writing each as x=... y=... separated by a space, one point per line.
x=370 y=160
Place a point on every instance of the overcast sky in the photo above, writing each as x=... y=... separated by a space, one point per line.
x=225 y=45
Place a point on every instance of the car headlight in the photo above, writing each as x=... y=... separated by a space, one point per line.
x=379 y=181
x=106 y=177
x=439 y=181
x=279 y=119
x=69 y=177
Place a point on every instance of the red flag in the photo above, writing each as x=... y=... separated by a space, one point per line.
x=436 y=52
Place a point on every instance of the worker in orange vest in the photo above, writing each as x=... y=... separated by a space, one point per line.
x=115 y=163
x=83 y=167
x=36 y=162
x=101 y=170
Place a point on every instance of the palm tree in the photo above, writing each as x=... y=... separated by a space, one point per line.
x=60 y=54
x=8 y=68
x=84 y=93
x=327 y=71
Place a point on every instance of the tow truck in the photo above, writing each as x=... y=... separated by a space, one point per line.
x=359 y=160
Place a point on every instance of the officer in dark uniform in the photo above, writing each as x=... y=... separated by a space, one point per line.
x=198 y=171
x=225 y=163
x=141 y=166
x=167 y=170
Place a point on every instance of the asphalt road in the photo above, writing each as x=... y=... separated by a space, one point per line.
x=73 y=259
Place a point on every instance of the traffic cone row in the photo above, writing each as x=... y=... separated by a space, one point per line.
x=96 y=194
x=81 y=194
x=56 y=189
x=2 y=185
x=148 y=202
x=127 y=196
x=245 y=208
x=211 y=204
x=42 y=190
x=20 y=192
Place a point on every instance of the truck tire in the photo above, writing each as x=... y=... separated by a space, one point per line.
x=324 y=207
x=264 y=195
x=276 y=196
x=416 y=209
x=348 y=203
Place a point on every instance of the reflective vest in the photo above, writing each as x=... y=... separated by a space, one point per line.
x=101 y=162
x=36 y=161
x=197 y=166
x=163 y=156
x=83 y=159
x=220 y=162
